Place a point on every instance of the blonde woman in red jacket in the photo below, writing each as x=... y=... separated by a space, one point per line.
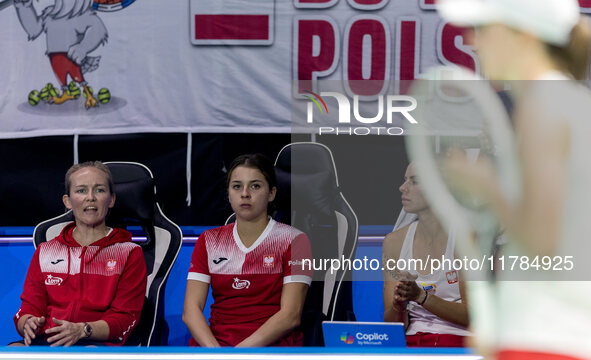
x=87 y=285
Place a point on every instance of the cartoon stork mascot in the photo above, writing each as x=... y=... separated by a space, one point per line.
x=73 y=30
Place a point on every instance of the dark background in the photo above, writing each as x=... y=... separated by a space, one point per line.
x=370 y=169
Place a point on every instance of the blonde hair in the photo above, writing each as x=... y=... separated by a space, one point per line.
x=574 y=57
x=95 y=164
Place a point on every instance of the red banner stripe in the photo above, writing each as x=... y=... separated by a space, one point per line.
x=231 y=27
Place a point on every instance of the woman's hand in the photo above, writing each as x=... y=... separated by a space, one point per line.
x=397 y=301
x=407 y=290
x=31 y=327
x=66 y=333
x=195 y=299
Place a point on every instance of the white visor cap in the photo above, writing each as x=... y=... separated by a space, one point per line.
x=549 y=20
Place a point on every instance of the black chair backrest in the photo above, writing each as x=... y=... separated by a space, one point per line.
x=136 y=206
x=309 y=198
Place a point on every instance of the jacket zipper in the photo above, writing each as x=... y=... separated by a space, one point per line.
x=82 y=263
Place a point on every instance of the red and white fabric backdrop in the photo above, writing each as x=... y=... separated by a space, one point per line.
x=220 y=65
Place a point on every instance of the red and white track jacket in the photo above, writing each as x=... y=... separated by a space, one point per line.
x=103 y=281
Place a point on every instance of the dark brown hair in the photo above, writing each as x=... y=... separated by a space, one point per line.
x=95 y=164
x=255 y=161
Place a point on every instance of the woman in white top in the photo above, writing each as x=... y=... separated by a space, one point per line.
x=429 y=301
x=539 y=40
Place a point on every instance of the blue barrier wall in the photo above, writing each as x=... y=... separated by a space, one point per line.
x=15 y=258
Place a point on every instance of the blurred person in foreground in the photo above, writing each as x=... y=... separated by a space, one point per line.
x=544 y=44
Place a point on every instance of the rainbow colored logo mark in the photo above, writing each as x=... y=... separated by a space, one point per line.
x=347 y=338
x=316 y=102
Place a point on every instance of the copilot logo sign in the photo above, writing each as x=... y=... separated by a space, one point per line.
x=387 y=106
x=347 y=338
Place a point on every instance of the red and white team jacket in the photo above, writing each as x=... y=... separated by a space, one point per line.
x=246 y=283
x=103 y=281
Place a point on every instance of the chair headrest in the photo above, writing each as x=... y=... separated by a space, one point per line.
x=311 y=191
x=134 y=187
x=306 y=175
x=307 y=158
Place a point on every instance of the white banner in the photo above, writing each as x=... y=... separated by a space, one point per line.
x=203 y=65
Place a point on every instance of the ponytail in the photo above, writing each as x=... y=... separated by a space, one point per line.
x=575 y=56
